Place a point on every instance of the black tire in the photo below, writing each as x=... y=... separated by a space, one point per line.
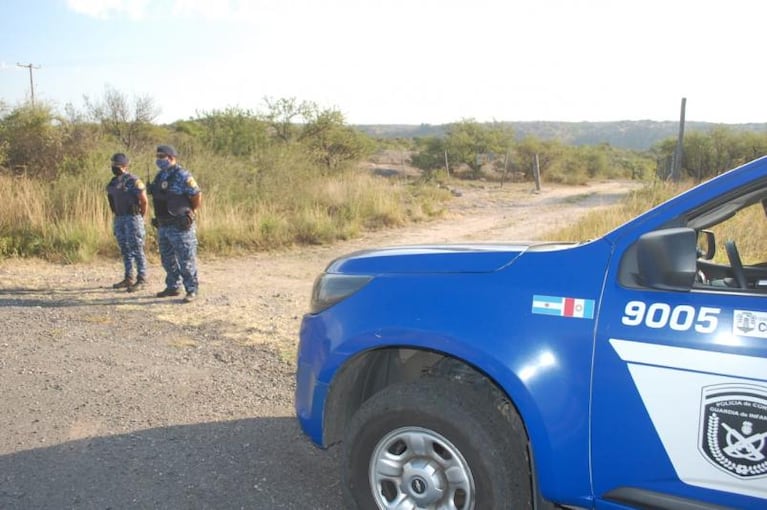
x=413 y=432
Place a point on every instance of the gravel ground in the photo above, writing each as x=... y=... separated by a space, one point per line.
x=114 y=400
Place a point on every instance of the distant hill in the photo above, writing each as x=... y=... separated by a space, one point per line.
x=628 y=134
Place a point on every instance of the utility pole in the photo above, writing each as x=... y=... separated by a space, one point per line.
x=31 y=82
x=676 y=169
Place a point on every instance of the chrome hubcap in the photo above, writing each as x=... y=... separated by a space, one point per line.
x=413 y=467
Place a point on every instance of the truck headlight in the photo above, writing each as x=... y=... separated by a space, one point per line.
x=329 y=289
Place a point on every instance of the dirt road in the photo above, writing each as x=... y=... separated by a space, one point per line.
x=117 y=400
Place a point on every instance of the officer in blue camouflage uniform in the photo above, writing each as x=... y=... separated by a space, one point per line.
x=176 y=197
x=127 y=200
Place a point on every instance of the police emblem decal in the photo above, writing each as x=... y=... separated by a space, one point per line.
x=744 y=322
x=749 y=323
x=733 y=429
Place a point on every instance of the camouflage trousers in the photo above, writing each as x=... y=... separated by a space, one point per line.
x=130 y=234
x=178 y=253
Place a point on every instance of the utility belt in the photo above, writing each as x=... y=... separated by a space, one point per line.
x=129 y=210
x=181 y=222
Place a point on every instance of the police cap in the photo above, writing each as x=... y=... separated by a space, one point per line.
x=120 y=159
x=166 y=150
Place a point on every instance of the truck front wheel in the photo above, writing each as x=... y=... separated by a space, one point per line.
x=437 y=444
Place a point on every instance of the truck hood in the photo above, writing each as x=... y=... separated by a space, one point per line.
x=444 y=258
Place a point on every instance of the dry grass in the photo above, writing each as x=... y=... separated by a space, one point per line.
x=69 y=220
x=752 y=248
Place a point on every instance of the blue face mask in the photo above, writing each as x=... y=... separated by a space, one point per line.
x=162 y=164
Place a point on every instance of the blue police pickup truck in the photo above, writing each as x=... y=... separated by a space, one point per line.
x=628 y=371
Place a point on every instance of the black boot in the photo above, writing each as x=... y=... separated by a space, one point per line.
x=168 y=293
x=140 y=281
x=126 y=283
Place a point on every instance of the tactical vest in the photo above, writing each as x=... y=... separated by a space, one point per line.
x=168 y=205
x=121 y=191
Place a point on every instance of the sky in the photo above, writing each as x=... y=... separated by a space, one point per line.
x=396 y=61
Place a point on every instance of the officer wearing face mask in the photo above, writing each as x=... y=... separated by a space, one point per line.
x=176 y=197
x=127 y=200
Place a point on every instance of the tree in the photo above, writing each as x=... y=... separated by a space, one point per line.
x=38 y=142
x=707 y=154
x=595 y=159
x=525 y=153
x=429 y=155
x=31 y=140
x=322 y=132
x=751 y=145
x=698 y=155
x=285 y=116
x=129 y=122
x=233 y=131
x=330 y=141
x=473 y=144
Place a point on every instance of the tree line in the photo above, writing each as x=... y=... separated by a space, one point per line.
x=286 y=174
x=639 y=135
x=480 y=148
x=38 y=141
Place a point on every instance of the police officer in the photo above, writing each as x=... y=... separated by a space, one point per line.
x=127 y=200
x=176 y=197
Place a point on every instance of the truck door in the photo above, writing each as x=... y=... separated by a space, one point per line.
x=679 y=397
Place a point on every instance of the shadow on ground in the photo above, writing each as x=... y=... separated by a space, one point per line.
x=262 y=463
x=59 y=297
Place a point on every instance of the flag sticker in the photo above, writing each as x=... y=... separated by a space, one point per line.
x=563 y=306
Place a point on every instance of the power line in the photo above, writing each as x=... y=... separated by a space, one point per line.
x=31 y=82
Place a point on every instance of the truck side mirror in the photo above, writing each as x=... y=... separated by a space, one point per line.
x=667 y=259
x=706 y=245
